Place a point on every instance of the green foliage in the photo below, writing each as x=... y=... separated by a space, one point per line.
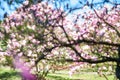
x=3 y=45
x=3 y=39
x=9 y=60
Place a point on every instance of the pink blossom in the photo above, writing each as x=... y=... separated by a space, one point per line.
x=24 y=69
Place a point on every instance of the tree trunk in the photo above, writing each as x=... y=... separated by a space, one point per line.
x=118 y=65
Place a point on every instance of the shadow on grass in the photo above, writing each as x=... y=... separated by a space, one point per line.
x=7 y=75
x=58 y=77
x=52 y=77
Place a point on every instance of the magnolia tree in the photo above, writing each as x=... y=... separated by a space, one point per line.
x=40 y=34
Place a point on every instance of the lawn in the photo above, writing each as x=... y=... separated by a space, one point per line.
x=63 y=75
x=8 y=74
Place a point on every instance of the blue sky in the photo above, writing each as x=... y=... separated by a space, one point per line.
x=4 y=7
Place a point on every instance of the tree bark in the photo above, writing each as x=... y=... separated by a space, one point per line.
x=118 y=65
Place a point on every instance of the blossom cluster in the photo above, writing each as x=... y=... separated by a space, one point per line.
x=42 y=30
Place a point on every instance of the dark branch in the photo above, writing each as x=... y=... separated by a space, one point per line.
x=91 y=42
x=96 y=42
x=109 y=59
x=42 y=56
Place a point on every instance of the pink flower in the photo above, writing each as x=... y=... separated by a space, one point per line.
x=24 y=69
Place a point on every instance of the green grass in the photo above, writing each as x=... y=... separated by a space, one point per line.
x=59 y=75
x=9 y=74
